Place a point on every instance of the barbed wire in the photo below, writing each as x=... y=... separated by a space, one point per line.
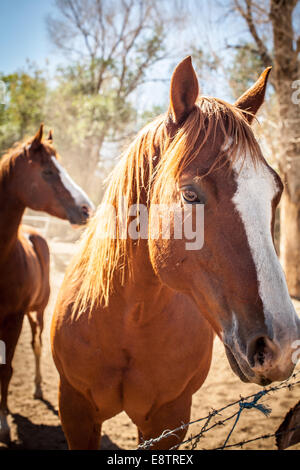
x=264 y=436
x=243 y=404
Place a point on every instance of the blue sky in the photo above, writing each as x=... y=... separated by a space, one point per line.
x=23 y=34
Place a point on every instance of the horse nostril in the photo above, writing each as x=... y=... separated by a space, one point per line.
x=259 y=352
x=85 y=210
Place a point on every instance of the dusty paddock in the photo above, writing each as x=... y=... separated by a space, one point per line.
x=35 y=423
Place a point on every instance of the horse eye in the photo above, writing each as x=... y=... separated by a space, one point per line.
x=190 y=196
x=48 y=172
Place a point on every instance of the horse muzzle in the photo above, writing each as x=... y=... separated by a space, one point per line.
x=264 y=361
x=80 y=214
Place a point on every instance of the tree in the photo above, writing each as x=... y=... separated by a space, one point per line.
x=282 y=51
x=245 y=68
x=110 y=46
x=82 y=122
x=25 y=110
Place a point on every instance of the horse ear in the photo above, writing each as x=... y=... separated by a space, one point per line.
x=50 y=135
x=184 y=90
x=38 y=137
x=253 y=98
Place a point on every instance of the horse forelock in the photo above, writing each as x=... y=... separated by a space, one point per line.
x=154 y=157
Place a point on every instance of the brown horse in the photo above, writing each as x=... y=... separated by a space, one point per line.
x=137 y=312
x=30 y=176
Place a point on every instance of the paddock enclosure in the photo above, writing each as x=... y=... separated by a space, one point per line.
x=35 y=424
x=165 y=180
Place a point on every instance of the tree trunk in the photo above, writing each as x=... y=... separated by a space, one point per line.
x=286 y=72
x=290 y=243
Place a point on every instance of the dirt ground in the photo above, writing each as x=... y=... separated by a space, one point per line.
x=35 y=423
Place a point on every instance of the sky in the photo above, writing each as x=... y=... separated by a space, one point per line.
x=23 y=34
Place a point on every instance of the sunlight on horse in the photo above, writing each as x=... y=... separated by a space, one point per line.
x=134 y=323
x=30 y=176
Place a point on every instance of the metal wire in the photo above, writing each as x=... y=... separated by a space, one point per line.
x=249 y=402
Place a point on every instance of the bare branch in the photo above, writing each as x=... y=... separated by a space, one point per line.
x=247 y=14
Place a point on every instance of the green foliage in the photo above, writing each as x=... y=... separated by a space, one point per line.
x=93 y=112
x=245 y=69
x=25 y=108
x=150 y=114
x=110 y=47
x=82 y=119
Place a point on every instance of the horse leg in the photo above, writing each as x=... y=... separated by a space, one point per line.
x=36 y=320
x=78 y=419
x=169 y=416
x=9 y=333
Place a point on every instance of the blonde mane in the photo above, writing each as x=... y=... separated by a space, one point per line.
x=102 y=260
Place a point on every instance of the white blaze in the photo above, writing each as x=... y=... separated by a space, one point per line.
x=79 y=196
x=256 y=188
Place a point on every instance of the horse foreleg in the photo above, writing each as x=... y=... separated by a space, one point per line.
x=168 y=417
x=5 y=376
x=36 y=320
x=9 y=333
x=78 y=419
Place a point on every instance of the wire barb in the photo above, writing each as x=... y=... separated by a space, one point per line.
x=244 y=403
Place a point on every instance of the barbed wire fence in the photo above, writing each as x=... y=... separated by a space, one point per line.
x=244 y=403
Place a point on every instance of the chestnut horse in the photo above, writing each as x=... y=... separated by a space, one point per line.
x=136 y=315
x=30 y=176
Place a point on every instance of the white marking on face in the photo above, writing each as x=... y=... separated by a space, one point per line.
x=77 y=193
x=256 y=188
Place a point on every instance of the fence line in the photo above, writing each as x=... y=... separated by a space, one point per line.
x=43 y=220
x=264 y=436
x=243 y=404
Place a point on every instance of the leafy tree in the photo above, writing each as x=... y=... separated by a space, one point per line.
x=243 y=71
x=280 y=18
x=82 y=121
x=25 y=108
x=110 y=46
x=272 y=40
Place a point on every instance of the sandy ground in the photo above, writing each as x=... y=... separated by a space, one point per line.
x=35 y=423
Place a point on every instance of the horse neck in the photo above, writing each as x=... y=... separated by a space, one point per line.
x=142 y=289
x=11 y=212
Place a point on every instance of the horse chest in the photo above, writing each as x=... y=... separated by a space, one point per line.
x=127 y=363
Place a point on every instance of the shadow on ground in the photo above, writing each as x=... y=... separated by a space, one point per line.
x=36 y=436
x=45 y=437
x=108 y=444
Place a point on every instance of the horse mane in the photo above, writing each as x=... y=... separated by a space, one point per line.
x=102 y=259
x=8 y=158
x=16 y=149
